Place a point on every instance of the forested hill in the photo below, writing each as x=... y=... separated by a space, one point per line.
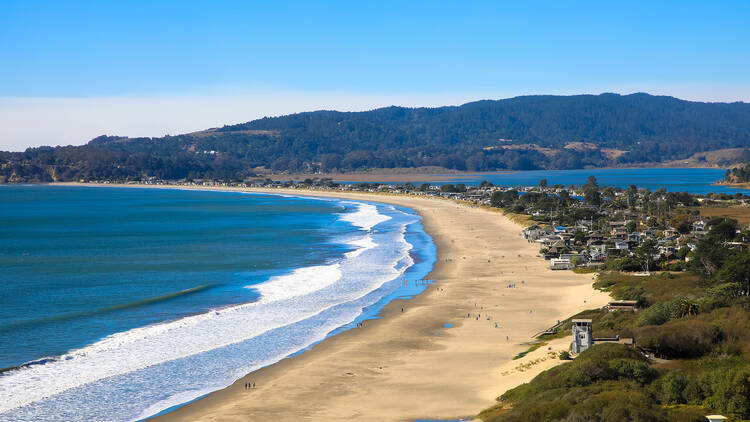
x=530 y=132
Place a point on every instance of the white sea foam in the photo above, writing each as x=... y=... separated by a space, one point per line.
x=303 y=294
x=366 y=217
x=174 y=400
x=300 y=282
x=364 y=243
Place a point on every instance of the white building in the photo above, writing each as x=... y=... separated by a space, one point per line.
x=582 y=338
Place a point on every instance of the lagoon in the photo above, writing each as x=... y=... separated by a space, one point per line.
x=693 y=180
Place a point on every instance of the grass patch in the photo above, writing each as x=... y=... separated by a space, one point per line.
x=522 y=219
x=654 y=288
x=584 y=270
x=562 y=332
x=530 y=349
x=739 y=213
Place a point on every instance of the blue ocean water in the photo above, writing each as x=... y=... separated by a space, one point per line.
x=693 y=180
x=153 y=297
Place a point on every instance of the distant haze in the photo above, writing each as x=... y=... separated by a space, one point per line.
x=32 y=122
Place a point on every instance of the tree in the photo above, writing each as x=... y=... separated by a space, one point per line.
x=722 y=229
x=708 y=258
x=448 y=188
x=330 y=162
x=645 y=253
x=631 y=226
x=543 y=183
x=591 y=182
x=591 y=196
x=496 y=199
x=632 y=195
x=729 y=390
x=736 y=269
x=564 y=197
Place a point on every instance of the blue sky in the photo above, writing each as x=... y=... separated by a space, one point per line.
x=154 y=67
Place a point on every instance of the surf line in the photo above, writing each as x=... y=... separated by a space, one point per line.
x=83 y=314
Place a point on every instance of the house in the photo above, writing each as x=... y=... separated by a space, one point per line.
x=619 y=232
x=623 y=246
x=556 y=248
x=671 y=232
x=560 y=264
x=535 y=233
x=598 y=254
x=570 y=256
x=594 y=242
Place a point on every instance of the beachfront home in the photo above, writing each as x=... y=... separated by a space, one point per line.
x=598 y=254
x=582 y=338
x=560 y=264
x=535 y=233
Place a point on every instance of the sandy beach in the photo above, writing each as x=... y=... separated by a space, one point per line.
x=408 y=364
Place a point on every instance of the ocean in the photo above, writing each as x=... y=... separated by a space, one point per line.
x=151 y=298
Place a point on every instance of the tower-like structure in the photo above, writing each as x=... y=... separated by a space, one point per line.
x=582 y=339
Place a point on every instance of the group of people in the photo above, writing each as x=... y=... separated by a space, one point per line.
x=250 y=385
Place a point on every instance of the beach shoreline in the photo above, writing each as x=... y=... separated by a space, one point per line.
x=446 y=353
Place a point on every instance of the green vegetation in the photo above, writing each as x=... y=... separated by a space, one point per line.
x=522 y=133
x=739 y=174
x=529 y=350
x=695 y=325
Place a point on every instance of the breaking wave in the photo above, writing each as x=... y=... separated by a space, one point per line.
x=149 y=369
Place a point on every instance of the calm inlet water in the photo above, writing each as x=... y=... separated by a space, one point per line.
x=699 y=181
x=152 y=298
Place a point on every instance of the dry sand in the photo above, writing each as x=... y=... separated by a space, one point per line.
x=407 y=365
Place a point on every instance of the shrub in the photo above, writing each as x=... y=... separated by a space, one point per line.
x=729 y=390
x=633 y=293
x=679 y=339
x=675 y=266
x=616 y=406
x=669 y=388
x=624 y=264
x=655 y=314
x=725 y=292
